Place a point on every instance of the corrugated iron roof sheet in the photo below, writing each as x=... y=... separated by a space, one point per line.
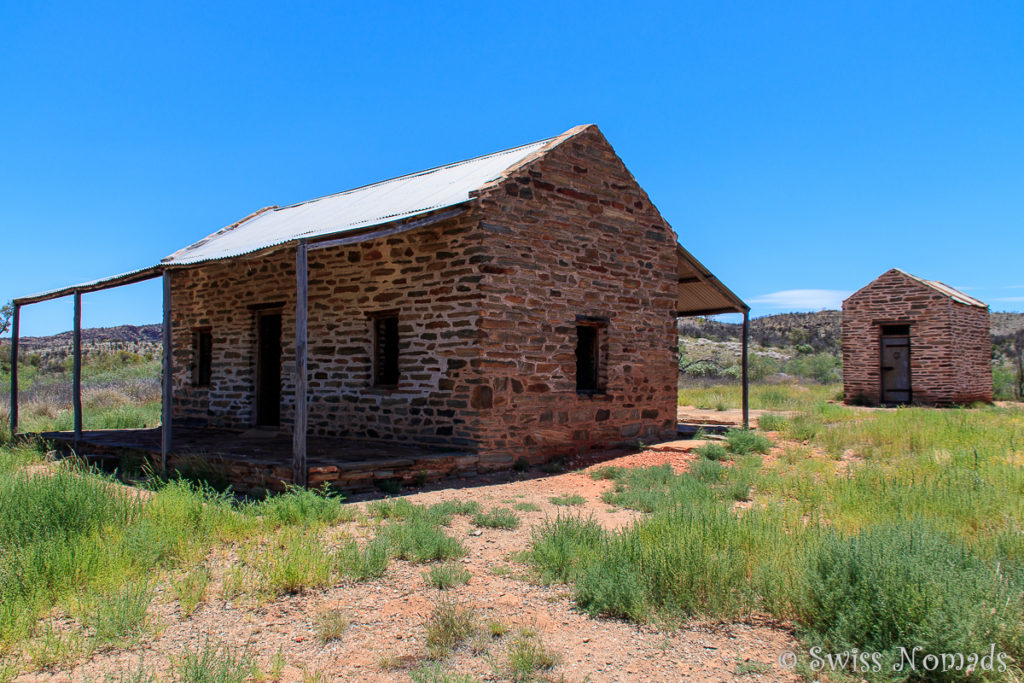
x=954 y=294
x=700 y=292
x=354 y=209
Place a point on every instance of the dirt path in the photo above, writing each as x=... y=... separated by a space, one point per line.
x=386 y=637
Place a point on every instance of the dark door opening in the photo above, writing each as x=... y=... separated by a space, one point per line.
x=268 y=369
x=896 y=364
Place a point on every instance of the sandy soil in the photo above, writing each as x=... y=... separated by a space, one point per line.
x=386 y=637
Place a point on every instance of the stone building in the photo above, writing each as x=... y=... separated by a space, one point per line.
x=517 y=305
x=909 y=340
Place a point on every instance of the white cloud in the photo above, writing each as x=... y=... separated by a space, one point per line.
x=802 y=299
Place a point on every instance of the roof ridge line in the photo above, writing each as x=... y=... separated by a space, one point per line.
x=418 y=173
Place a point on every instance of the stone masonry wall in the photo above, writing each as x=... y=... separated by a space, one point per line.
x=973 y=360
x=488 y=304
x=429 y=275
x=573 y=234
x=949 y=355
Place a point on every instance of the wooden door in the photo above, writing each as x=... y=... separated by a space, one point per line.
x=896 y=368
x=268 y=369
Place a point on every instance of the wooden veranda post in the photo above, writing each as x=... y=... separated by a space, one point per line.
x=299 y=470
x=76 y=380
x=168 y=392
x=745 y=366
x=15 y=319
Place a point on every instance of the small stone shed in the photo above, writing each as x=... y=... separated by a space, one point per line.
x=910 y=340
x=521 y=304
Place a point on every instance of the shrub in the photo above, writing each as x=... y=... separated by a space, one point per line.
x=444 y=576
x=770 y=422
x=295 y=563
x=498 y=518
x=570 y=499
x=362 y=564
x=190 y=590
x=526 y=656
x=558 y=548
x=213 y=664
x=707 y=471
x=908 y=585
x=305 y=507
x=713 y=451
x=419 y=539
x=686 y=560
x=450 y=624
x=745 y=441
x=331 y=624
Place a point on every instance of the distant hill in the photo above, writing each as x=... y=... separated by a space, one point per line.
x=124 y=334
x=822 y=330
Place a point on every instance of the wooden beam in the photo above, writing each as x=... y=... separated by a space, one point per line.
x=745 y=370
x=299 y=470
x=15 y=323
x=689 y=280
x=76 y=380
x=108 y=283
x=167 y=399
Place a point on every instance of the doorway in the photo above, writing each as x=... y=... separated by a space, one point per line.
x=268 y=369
x=896 y=364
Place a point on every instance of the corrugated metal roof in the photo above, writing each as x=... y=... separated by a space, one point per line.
x=361 y=207
x=954 y=294
x=700 y=292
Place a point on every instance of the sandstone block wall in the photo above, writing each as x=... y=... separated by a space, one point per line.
x=950 y=347
x=487 y=305
x=428 y=275
x=573 y=234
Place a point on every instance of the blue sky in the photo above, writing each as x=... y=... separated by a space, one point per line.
x=799 y=149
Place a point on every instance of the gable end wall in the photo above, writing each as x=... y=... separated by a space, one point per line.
x=949 y=344
x=572 y=234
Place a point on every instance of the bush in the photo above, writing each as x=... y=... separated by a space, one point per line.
x=713 y=451
x=450 y=625
x=419 y=539
x=444 y=576
x=707 y=471
x=498 y=518
x=213 y=664
x=295 y=563
x=362 y=564
x=306 y=507
x=909 y=585
x=745 y=441
x=770 y=422
x=558 y=548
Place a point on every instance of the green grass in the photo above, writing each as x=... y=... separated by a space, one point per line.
x=444 y=576
x=498 y=518
x=450 y=624
x=887 y=528
x=331 y=624
x=713 y=451
x=568 y=500
x=214 y=664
